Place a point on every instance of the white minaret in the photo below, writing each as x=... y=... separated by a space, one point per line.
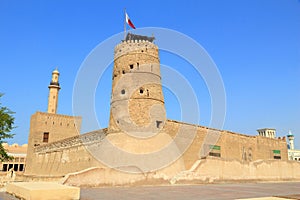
x=53 y=92
x=291 y=140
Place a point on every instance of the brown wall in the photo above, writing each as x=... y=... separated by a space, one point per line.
x=58 y=126
x=232 y=145
x=70 y=155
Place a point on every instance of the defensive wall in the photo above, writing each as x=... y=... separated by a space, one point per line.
x=245 y=154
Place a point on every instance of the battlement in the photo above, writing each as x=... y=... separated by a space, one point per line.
x=57 y=119
x=136 y=46
x=131 y=36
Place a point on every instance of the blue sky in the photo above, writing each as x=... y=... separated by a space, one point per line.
x=254 y=43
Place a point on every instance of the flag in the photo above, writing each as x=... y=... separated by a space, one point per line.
x=128 y=21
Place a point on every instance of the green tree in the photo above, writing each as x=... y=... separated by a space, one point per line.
x=6 y=125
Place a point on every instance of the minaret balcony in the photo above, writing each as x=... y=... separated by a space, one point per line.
x=54 y=83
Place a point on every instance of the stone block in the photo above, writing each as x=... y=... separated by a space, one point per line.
x=43 y=191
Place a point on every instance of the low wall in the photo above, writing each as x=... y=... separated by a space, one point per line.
x=213 y=170
x=210 y=170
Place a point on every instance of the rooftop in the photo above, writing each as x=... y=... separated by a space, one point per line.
x=131 y=36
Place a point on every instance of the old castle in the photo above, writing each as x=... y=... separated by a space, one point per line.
x=140 y=145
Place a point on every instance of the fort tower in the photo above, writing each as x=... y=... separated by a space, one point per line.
x=137 y=98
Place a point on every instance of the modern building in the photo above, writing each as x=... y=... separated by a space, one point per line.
x=267 y=132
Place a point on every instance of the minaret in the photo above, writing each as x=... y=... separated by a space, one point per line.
x=53 y=92
x=137 y=102
x=291 y=140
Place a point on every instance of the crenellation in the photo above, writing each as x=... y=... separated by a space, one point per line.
x=135 y=46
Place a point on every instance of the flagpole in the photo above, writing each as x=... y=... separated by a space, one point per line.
x=124 y=23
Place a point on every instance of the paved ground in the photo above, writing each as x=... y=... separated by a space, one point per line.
x=191 y=192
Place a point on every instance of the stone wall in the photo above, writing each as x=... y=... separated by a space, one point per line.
x=65 y=156
x=232 y=145
x=209 y=170
x=221 y=170
x=58 y=127
x=72 y=154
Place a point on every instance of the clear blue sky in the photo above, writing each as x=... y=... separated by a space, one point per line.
x=254 y=43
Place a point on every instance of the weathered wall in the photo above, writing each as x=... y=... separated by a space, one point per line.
x=72 y=154
x=59 y=127
x=62 y=157
x=81 y=152
x=210 y=170
x=232 y=145
x=221 y=170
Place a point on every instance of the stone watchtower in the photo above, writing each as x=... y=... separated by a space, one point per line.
x=53 y=92
x=137 y=102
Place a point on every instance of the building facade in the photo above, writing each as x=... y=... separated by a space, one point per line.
x=18 y=153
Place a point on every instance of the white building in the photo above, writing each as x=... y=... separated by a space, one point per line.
x=267 y=132
x=293 y=154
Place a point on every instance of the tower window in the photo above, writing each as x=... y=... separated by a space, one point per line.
x=46 y=137
x=131 y=66
x=158 y=124
x=123 y=71
x=141 y=91
x=123 y=91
